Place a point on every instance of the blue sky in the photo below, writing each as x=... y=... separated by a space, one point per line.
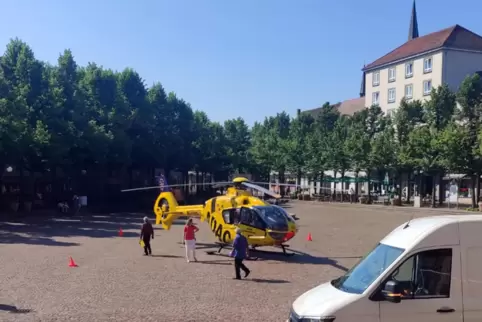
x=249 y=58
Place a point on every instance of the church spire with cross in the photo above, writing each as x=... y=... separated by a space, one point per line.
x=413 y=30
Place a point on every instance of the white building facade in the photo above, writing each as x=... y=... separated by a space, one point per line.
x=422 y=63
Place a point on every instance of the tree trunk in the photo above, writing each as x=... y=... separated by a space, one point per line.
x=441 y=188
x=409 y=186
x=333 y=193
x=298 y=177
x=433 y=205
x=342 y=185
x=420 y=185
x=185 y=182
x=472 y=190
x=477 y=185
x=321 y=176
x=281 y=177
x=356 y=184
x=400 y=184
x=369 y=197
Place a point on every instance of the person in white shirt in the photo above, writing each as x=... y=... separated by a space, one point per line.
x=351 y=192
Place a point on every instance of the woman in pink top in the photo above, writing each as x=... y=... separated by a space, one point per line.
x=190 y=239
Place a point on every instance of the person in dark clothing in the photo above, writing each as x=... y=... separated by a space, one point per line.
x=240 y=252
x=146 y=233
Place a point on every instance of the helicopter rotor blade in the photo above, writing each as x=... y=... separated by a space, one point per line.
x=139 y=189
x=259 y=188
x=158 y=187
x=213 y=184
x=221 y=184
x=277 y=184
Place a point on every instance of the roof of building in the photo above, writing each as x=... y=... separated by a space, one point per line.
x=348 y=107
x=456 y=37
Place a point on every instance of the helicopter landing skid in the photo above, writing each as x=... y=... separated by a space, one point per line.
x=284 y=247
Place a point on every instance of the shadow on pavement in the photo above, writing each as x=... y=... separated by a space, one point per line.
x=13 y=309
x=303 y=258
x=298 y=257
x=168 y=256
x=216 y=262
x=43 y=230
x=262 y=280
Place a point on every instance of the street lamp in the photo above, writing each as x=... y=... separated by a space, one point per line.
x=9 y=169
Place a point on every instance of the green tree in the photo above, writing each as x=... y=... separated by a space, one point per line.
x=238 y=140
x=318 y=143
x=338 y=157
x=406 y=118
x=269 y=144
x=358 y=144
x=297 y=144
x=469 y=115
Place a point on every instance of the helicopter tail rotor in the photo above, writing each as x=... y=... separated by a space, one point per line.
x=167 y=210
x=165 y=203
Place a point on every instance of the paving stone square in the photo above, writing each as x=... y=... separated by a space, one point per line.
x=115 y=282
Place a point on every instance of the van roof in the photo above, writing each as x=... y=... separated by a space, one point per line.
x=422 y=227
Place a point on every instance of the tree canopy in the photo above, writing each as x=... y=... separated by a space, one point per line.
x=89 y=118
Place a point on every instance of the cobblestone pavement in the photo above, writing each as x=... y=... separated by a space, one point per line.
x=114 y=282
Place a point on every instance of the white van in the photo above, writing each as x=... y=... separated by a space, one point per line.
x=426 y=270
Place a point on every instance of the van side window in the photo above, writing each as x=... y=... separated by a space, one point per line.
x=425 y=275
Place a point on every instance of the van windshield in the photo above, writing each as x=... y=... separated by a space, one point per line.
x=363 y=274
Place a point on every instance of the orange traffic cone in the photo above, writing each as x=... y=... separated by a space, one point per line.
x=72 y=263
x=308 y=238
x=121 y=233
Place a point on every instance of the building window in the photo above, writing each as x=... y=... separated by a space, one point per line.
x=408 y=70
x=391 y=74
x=375 y=98
x=427 y=65
x=427 y=87
x=390 y=112
x=376 y=78
x=391 y=95
x=408 y=91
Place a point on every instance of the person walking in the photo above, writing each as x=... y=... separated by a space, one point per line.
x=146 y=233
x=190 y=239
x=240 y=252
x=351 y=192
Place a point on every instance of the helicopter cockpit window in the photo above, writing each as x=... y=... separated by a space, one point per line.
x=252 y=218
x=275 y=217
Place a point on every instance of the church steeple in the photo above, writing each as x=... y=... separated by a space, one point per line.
x=413 y=30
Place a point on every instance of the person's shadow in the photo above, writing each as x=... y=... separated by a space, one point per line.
x=268 y=281
x=13 y=309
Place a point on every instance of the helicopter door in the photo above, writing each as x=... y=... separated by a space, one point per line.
x=229 y=216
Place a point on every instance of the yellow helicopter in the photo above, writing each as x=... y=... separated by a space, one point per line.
x=262 y=223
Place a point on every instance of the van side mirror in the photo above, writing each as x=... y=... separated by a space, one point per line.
x=392 y=292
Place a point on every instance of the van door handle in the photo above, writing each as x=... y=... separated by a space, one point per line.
x=445 y=310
